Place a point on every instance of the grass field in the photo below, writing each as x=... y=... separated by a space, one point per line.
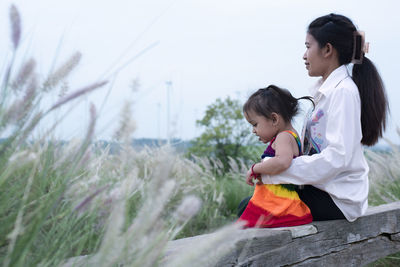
x=64 y=199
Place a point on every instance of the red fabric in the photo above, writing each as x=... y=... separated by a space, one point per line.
x=258 y=217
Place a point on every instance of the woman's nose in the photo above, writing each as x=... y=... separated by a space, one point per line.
x=305 y=56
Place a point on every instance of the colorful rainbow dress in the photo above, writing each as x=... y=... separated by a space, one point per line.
x=276 y=205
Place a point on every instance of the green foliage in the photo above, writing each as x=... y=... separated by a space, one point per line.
x=384 y=178
x=33 y=209
x=226 y=133
x=221 y=196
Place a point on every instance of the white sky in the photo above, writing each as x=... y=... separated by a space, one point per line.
x=208 y=48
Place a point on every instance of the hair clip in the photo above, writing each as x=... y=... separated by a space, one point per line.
x=366 y=48
x=359 y=47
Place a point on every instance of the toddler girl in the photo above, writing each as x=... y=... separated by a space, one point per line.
x=270 y=110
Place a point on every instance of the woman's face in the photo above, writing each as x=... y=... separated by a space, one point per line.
x=313 y=57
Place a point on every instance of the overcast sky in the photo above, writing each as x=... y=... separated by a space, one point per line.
x=208 y=49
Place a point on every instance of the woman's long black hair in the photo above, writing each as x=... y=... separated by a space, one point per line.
x=339 y=31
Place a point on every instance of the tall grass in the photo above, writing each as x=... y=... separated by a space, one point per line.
x=384 y=175
x=38 y=224
x=385 y=185
x=60 y=201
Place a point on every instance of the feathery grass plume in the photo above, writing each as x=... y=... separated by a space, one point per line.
x=125 y=187
x=28 y=128
x=126 y=124
x=63 y=89
x=68 y=152
x=83 y=205
x=18 y=110
x=62 y=72
x=24 y=75
x=22 y=157
x=15 y=20
x=147 y=237
x=142 y=242
x=86 y=154
x=147 y=244
x=30 y=95
x=92 y=123
x=11 y=114
x=189 y=207
x=77 y=94
x=135 y=85
x=213 y=167
x=237 y=165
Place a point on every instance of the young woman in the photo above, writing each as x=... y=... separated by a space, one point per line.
x=350 y=111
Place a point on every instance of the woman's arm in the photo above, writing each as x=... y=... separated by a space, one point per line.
x=284 y=152
x=284 y=146
x=343 y=136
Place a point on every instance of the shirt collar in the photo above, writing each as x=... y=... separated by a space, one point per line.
x=331 y=82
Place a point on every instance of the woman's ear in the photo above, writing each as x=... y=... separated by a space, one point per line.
x=327 y=50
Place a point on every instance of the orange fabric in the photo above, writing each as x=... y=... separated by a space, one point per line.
x=278 y=205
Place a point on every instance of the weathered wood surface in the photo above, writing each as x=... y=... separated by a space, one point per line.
x=329 y=243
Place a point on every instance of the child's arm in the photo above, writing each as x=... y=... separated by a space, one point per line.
x=285 y=148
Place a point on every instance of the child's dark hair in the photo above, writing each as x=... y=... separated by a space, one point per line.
x=274 y=99
x=340 y=32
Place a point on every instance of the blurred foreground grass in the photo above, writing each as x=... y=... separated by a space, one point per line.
x=384 y=178
x=60 y=200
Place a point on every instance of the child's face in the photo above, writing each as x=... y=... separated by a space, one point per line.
x=264 y=128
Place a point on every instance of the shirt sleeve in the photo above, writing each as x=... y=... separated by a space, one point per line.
x=343 y=133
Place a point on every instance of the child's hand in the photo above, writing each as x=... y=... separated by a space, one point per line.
x=250 y=177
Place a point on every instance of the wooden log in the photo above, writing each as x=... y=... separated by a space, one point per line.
x=329 y=243
x=358 y=254
x=337 y=242
x=336 y=239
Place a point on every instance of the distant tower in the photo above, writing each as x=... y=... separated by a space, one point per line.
x=169 y=87
x=158 y=120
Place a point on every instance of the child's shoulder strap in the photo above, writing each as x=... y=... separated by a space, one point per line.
x=296 y=137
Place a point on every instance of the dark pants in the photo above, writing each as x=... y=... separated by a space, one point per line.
x=320 y=203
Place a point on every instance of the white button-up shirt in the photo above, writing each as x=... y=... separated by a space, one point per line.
x=333 y=132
